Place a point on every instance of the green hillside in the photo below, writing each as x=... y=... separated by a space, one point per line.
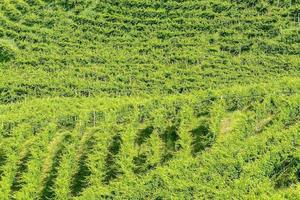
x=140 y=99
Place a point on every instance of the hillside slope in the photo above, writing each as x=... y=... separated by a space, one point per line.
x=140 y=99
x=112 y=48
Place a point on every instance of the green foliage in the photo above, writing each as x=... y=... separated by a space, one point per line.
x=176 y=150
x=75 y=48
x=8 y=50
x=149 y=99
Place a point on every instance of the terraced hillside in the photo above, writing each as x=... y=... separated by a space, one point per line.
x=107 y=47
x=140 y=99
x=188 y=146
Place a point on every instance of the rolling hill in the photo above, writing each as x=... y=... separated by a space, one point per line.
x=140 y=99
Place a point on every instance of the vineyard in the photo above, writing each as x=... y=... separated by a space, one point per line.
x=140 y=99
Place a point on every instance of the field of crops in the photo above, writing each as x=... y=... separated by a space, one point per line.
x=140 y=99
